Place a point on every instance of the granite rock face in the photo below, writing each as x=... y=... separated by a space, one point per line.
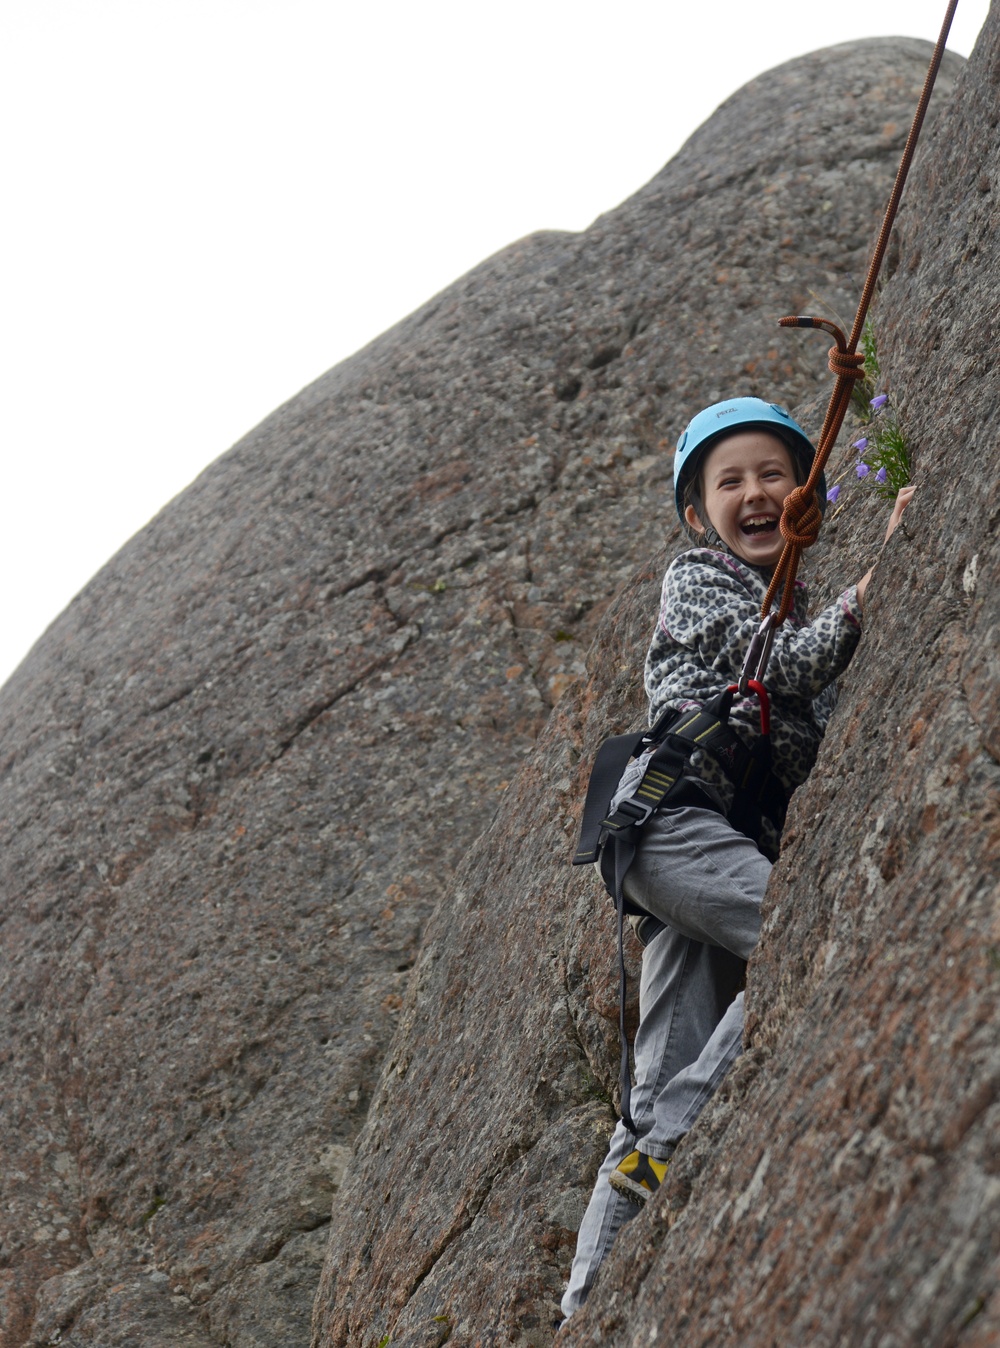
x=845 y=1189
x=260 y=959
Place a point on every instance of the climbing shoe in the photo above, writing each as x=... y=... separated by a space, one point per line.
x=638 y=1176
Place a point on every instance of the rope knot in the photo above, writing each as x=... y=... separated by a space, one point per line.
x=801 y=518
x=846 y=364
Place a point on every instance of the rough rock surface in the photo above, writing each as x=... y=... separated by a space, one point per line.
x=846 y=1187
x=245 y=775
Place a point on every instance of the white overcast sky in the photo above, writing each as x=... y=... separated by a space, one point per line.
x=207 y=203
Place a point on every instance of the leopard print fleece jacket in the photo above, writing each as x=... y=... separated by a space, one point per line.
x=709 y=611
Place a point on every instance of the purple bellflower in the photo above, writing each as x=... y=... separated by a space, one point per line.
x=881 y=476
x=878 y=403
x=833 y=493
x=862 y=469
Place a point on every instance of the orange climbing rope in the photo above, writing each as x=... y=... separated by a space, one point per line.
x=801 y=518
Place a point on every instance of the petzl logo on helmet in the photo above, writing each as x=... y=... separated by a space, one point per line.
x=727 y=412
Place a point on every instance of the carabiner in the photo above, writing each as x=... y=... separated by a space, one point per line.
x=758 y=654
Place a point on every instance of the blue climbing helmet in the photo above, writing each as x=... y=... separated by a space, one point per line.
x=721 y=419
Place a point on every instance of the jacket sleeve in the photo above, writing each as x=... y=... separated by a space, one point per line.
x=708 y=608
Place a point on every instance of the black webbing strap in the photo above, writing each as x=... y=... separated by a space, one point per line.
x=677 y=735
x=758 y=792
x=610 y=763
x=624 y=847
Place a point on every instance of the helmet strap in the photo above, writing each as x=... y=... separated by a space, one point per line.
x=708 y=537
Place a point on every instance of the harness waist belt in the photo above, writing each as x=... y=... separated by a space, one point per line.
x=677 y=735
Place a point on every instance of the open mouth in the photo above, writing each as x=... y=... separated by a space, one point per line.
x=756 y=525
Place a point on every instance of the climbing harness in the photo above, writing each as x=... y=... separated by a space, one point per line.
x=611 y=838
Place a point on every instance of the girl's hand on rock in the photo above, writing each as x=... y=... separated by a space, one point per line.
x=902 y=501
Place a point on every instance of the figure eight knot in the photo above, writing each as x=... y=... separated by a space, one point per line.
x=801 y=518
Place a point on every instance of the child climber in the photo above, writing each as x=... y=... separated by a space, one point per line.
x=695 y=880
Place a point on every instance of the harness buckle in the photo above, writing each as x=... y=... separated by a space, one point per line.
x=758 y=655
x=636 y=815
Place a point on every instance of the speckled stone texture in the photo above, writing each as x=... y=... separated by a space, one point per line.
x=846 y=1188
x=260 y=960
x=493 y=1113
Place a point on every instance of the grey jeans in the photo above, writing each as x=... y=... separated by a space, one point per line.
x=704 y=882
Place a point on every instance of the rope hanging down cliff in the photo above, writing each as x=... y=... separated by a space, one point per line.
x=801 y=518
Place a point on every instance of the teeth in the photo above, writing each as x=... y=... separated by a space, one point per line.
x=755 y=523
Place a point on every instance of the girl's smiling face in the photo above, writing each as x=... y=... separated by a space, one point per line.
x=745 y=479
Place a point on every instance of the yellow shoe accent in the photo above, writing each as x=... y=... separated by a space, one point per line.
x=638 y=1176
